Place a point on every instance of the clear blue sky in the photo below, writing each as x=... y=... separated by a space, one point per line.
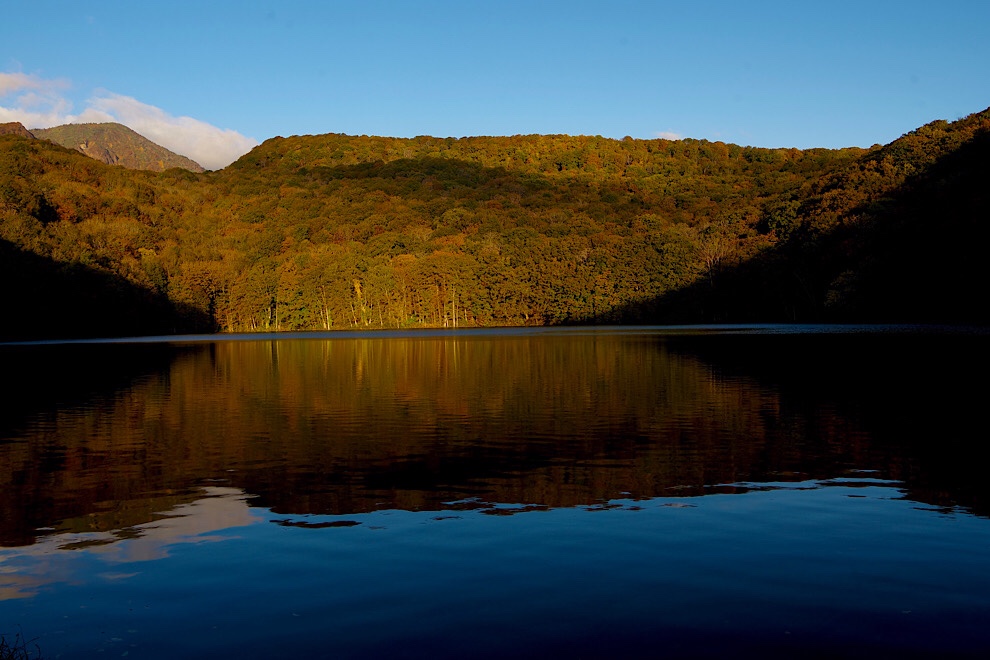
x=791 y=73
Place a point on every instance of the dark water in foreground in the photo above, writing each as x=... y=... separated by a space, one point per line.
x=591 y=492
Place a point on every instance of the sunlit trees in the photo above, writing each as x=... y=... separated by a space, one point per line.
x=333 y=231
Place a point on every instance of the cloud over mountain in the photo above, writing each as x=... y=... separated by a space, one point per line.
x=209 y=145
x=42 y=103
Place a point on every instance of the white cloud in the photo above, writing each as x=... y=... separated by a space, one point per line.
x=206 y=144
x=669 y=135
x=36 y=102
x=13 y=82
x=41 y=103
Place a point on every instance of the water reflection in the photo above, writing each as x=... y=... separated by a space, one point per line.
x=520 y=494
x=56 y=556
x=838 y=568
x=350 y=425
x=73 y=557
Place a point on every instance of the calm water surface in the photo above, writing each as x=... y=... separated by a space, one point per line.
x=630 y=492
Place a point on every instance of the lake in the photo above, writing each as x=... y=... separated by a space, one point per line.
x=771 y=491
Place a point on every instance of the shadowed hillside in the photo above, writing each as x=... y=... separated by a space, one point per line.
x=49 y=299
x=896 y=237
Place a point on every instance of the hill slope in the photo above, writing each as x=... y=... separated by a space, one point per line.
x=334 y=231
x=116 y=144
x=15 y=128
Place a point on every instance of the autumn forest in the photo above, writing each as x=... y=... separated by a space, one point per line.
x=335 y=232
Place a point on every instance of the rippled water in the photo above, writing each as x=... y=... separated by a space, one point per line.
x=594 y=492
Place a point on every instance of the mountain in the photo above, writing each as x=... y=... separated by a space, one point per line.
x=335 y=231
x=15 y=128
x=115 y=144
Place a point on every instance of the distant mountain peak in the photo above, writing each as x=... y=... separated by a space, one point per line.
x=15 y=128
x=116 y=144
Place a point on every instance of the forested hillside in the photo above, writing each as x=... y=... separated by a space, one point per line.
x=337 y=231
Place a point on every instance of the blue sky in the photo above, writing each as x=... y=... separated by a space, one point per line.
x=210 y=79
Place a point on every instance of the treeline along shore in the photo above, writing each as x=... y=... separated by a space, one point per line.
x=334 y=232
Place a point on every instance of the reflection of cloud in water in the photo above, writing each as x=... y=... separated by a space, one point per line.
x=24 y=570
x=222 y=508
x=13 y=585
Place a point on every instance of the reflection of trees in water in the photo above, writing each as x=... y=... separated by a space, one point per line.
x=350 y=425
x=911 y=389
